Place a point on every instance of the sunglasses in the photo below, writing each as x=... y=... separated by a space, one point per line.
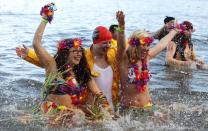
x=77 y=51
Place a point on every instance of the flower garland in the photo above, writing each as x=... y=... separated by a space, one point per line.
x=48 y=107
x=69 y=43
x=48 y=11
x=69 y=86
x=141 y=79
x=78 y=93
x=142 y=41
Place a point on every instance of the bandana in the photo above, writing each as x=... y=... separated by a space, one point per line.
x=101 y=34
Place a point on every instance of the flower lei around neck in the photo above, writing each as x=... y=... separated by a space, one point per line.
x=69 y=85
x=141 y=78
x=69 y=43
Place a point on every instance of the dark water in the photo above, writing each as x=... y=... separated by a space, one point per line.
x=183 y=95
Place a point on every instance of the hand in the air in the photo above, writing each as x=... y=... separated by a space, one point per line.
x=120 y=18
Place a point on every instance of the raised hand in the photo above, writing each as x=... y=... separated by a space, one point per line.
x=180 y=28
x=47 y=11
x=22 y=51
x=120 y=18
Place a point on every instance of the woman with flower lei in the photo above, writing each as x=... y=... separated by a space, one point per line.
x=133 y=64
x=180 y=52
x=68 y=77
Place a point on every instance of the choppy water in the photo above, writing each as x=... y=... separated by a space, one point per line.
x=184 y=97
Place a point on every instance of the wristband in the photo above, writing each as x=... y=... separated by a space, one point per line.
x=120 y=30
x=44 y=21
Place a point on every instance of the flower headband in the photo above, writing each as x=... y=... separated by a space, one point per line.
x=142 y=41
x=69 y=43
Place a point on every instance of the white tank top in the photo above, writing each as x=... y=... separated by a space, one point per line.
x=105 y=81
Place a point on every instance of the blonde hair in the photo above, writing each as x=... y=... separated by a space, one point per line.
x=134 y=51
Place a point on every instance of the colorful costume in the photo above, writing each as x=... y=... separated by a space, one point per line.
x=111 y=57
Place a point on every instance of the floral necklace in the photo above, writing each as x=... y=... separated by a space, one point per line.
x=139 y=78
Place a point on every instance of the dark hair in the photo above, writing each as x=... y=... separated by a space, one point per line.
x=81 y=71
x=188 y=25
x=112 y=28
x=168 y=19
x=181 y=40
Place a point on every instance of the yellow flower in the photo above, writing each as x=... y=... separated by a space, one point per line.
x=76 y=44
x=62 y=108
x=142 y=42
x=50 y=13
x=96 y=74
x=148 y=105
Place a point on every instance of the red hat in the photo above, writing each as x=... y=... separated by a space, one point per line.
x=101 y=34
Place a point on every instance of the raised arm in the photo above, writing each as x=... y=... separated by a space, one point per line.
x=40 y=51
x=162 y=44
x=121 y=44
x=45 y=58
x=157 y=34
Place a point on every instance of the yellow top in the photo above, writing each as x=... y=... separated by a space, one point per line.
x=32 y=58
x=114 y=43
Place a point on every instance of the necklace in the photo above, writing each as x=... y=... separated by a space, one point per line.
x=139 y=78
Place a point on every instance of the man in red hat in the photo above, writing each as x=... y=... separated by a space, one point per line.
x=102 y=62
x=101 y=58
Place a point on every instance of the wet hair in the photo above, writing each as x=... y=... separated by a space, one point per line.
x=134 y=52
x=112 y=28
x=81 y=71
x=188 y=25
x=168 y=19
x=181 y=41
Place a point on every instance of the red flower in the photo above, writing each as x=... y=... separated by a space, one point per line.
x=145 y=74
x=70 y=83
x=141 y=89
x=148 y=40
x=138 y=77
x=75 y=100
x=54 y=105
x=61 y=45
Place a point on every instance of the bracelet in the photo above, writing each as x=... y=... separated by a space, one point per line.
x=120 y=30
x=44 y=21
